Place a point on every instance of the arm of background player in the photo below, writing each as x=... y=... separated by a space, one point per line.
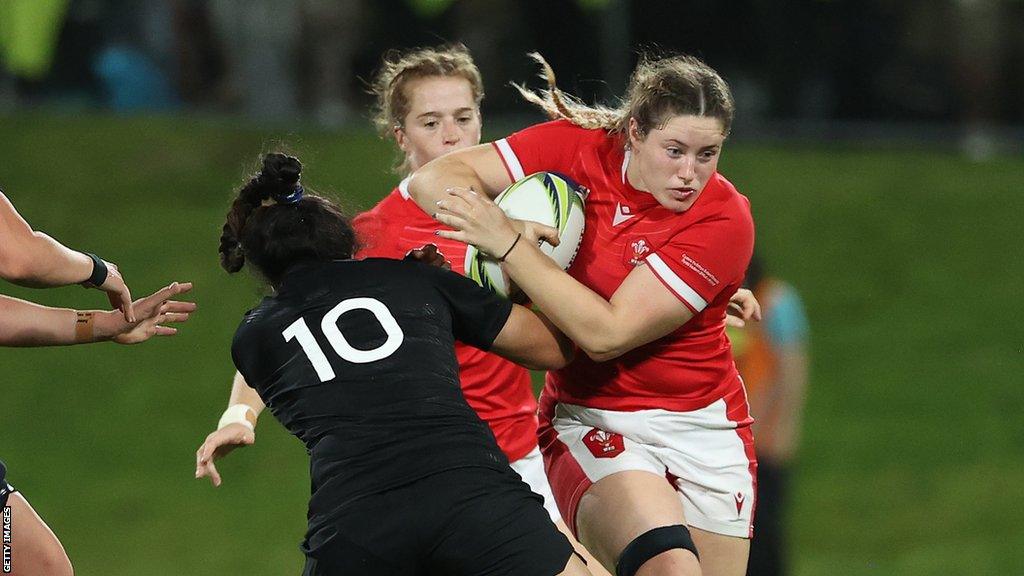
x=229 y=436
x=30 y=258
x=532 y=340
x=26 y=324
x=478 y=167
x=33 y=259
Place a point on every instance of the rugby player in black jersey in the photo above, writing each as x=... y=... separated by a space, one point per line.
x=356 y=359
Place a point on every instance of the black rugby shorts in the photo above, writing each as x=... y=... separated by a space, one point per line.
x=466 y=521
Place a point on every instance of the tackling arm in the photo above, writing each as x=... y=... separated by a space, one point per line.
x=532 y=340
x=478 y=167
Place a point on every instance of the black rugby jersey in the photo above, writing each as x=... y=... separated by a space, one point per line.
x=356 y=359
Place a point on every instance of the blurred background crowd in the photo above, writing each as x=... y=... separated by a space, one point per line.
x=947 y=70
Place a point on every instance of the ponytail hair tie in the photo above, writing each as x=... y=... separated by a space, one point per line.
x=294 y=196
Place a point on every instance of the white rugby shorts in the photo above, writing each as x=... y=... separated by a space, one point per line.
x=707 y=455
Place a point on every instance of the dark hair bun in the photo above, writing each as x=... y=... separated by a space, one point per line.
x=280 y=169
x=280 y=175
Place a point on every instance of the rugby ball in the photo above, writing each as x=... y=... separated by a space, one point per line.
x=545 y=197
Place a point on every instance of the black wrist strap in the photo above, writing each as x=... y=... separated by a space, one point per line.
x=99 y=271
x=509 y=251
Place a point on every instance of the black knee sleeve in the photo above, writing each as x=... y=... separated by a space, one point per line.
x=650 y=544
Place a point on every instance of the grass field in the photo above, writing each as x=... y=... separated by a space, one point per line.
x=909 y=262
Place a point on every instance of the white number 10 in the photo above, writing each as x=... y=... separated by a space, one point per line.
x=298 y=330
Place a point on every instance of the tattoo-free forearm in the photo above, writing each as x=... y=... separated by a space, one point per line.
x=34 y=259
x=582 y=314
x=242 y=393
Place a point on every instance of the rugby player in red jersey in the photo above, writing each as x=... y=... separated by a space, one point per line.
x=646 y=434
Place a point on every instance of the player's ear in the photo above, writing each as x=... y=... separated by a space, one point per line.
x=400 y=138
x=635 y=134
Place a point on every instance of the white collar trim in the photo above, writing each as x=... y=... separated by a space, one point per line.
x=403 y=186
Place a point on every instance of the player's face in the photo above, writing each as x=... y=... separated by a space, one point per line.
x=675 y=162
x=442 y=118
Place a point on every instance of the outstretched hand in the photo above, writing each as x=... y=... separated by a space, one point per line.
x=742 y=307
x=219 y=444
x=477 y=220
x=152 y=312
x=118 y=294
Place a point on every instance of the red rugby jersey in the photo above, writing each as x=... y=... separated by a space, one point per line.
x=498 y=390
x=700 y=255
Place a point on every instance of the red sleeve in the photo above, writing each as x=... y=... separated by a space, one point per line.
x=704 y=259
x=374 y=234
x=550 y=147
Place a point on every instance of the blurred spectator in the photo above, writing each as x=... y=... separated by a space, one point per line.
x=773 y=360
x=985 y=33
x=283 y=56
x=259 y=37
x=199 y=54
x=131 y=81
x=331 y=32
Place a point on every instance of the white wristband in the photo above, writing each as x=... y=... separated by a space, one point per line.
x=235 y=414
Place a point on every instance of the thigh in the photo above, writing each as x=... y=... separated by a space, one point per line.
x=618 y=508
x=582 y=446
x=34 y=547
x=488 y=522
x=721 y=555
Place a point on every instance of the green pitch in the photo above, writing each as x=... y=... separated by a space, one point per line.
x=909 y=262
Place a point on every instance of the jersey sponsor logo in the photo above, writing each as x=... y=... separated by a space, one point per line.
x=701 y=270
x=622 y=213
x=739 y=503
x=635 y=252
x=604 y=444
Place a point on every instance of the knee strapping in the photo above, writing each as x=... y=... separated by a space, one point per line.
x=650 y=544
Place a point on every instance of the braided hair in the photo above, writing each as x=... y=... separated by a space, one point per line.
x=274 y=222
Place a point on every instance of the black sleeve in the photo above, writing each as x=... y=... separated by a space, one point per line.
x=478 y=315
x=243 y=354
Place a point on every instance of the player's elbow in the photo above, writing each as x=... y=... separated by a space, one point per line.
x=604 y=355
x=604 y=347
